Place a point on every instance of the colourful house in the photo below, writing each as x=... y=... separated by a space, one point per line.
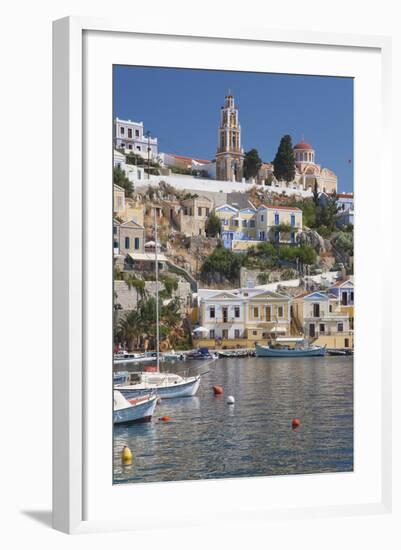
x=272 y=222
x=322 y=320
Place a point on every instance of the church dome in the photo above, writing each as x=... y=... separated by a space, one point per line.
x=303 y=145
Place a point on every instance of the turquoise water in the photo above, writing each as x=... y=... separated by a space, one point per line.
x=207 y=438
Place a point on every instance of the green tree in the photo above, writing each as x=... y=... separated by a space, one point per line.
x=252 y=164
x=213 y=227
x=284 y=161
x=222 y=264
x=119 y=178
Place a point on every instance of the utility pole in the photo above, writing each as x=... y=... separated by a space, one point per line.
x=148 y=136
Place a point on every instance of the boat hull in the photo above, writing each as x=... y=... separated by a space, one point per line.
x=187 y=389
x=141 y=412
x=264 y=351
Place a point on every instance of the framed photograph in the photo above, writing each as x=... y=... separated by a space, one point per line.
x=218 y=326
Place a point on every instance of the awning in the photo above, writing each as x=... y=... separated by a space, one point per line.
x=201 y=329
x=278 y=329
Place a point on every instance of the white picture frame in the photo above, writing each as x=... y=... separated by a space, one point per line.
x=72 y=301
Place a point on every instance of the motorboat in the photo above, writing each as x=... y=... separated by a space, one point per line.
x=290 y=347
x=200 y=354
x=173 y=356
x=165 y=385
x=139 y=409
x=134 y=357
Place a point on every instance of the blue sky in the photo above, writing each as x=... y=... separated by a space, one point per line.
x=182 y=106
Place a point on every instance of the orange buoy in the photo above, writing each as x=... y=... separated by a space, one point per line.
x=295 y=423
x=218 y=390
x=165 y=418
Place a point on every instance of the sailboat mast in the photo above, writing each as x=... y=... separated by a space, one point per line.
x=157 y=299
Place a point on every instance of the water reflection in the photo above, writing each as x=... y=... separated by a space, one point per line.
x=207 y=438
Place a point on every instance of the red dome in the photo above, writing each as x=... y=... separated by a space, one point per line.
x=303 y=145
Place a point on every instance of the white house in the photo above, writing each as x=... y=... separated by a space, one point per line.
x=130 y=136
x=223 y=315
x=136 y=174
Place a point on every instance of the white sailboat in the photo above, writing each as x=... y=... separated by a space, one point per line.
x=165 y=384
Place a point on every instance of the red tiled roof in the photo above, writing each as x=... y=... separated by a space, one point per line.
x=339 y=283
x=190 y=159
x=281 y=207
x=303 y=145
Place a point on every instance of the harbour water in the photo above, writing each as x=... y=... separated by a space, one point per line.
x=207 y=438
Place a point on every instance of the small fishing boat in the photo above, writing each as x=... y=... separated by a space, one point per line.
x=135 y=410
x=126 y=357
x=234 y=353
x=339 y=352
x=165 y=385
x=290 y=347
x=201 y=354
x=173 y=356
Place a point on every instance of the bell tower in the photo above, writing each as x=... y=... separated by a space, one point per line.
x=229 y=155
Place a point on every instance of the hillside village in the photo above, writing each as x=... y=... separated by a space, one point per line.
x=247 y=251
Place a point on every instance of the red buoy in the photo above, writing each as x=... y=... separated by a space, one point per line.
x=218 y=390
x=295 y=423
x=165 y=418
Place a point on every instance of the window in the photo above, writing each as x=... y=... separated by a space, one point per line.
x=136 y=243
x=207 y=211
x=244 y=223
x=280 y=311
x=115 y=230
x=212 y=334
x=129 y=132
x=262 y=217
x=126 y=242
x=268 y=312
x=226 y=222
x=236 y=333
x=292 y=237
x=277 y=236
x=122 y=131
x=293 y=220
x=190 y=211
x=340 y=327
x=276 y=219
x=262 y=235
x=224 y=333
x=251 y=223
x=352 y=297
x=115 y=244
x=225 y=315
x=330 y=308
x=236 y=312
x=130 y=146
x=346 y=342
x=212 y=312
x=199 y=211
x=321 y=327
x=137 y=133
x=138 y=147
x=255 y=332
x=185 y=211
x=256 y=312
x=316 y=310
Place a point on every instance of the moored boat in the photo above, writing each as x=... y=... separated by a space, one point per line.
x=134 y=410
x=200 y=354
x=165 y=385
x=284 y=349
x=126 y=357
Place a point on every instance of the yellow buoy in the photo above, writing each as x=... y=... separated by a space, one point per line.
x=126 y=455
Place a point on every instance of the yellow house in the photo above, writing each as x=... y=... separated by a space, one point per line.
x=240 y=319
x=322 y=320
x=280 y=224
x=268 y=315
